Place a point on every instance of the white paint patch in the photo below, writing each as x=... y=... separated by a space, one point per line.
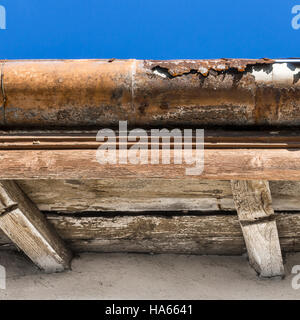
x=281 y=73
x=262 y=76
x=160 y=74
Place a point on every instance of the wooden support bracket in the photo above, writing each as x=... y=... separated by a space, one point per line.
x=257 y=219
x=29 y=230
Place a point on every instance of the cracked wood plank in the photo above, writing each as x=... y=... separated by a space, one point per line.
x=129 y=195
x=26 y=226
x=138 y=195
x=254 y=207
x=195 y=234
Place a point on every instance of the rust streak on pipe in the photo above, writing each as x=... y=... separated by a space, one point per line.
x=99 y=93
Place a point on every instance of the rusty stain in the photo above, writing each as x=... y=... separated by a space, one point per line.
x=99 y=93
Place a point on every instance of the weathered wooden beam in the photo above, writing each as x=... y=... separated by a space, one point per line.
x=195 y=234
x=254 y=207
x=131 y=195
x=139 y=195
x=26 y=226
x=220 y=164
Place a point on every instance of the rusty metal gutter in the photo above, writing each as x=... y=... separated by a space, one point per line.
x=99 y=93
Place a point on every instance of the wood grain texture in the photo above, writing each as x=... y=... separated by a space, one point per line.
x=190 y=234
x=241 y=164
x=138 y=195
x=26 y=226
x=253 y=203
x=134 y=195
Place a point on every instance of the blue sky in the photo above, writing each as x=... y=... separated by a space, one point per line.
x=149 y=29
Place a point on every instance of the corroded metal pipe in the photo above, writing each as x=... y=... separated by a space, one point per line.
x=99 y=93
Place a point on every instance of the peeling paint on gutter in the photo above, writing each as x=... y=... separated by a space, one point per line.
x=281 y=73
x=99 y=93
x=181 y=67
